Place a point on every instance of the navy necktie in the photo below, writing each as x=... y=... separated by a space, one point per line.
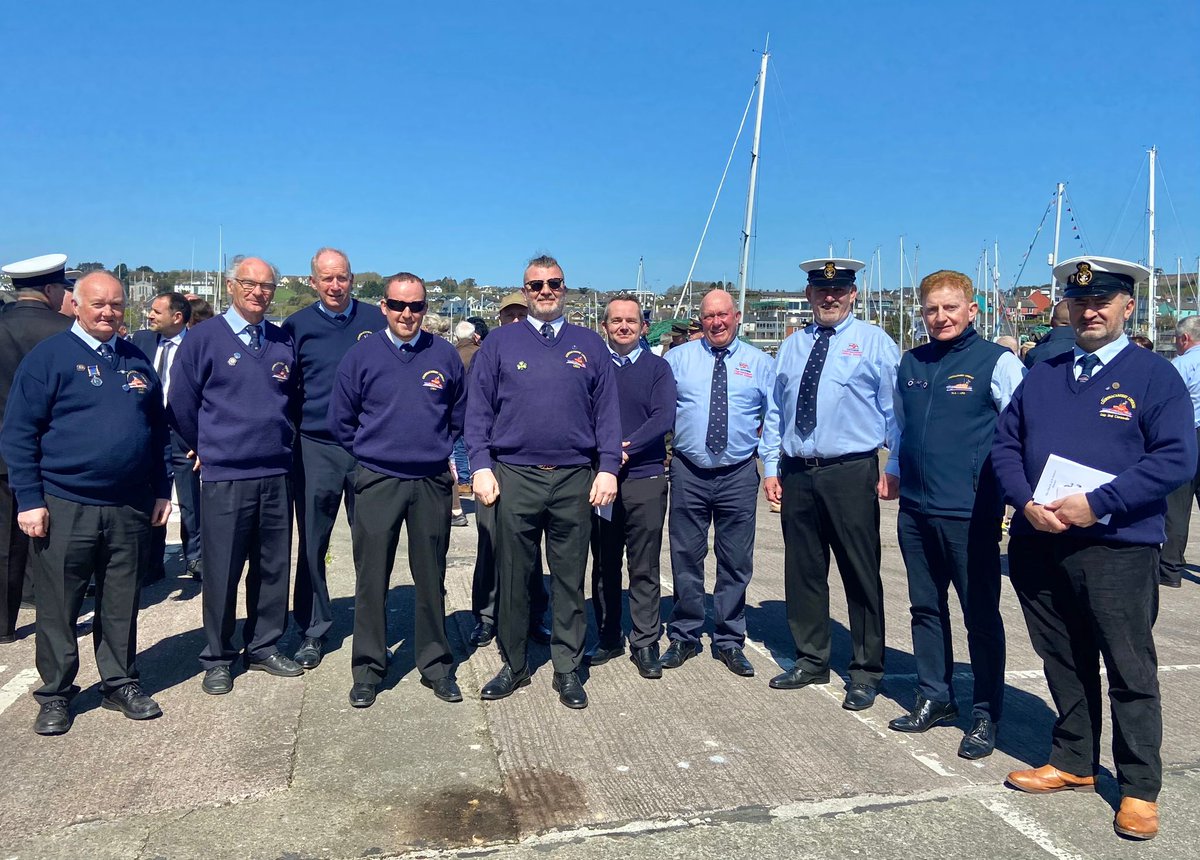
x=1088 y=365
x=255 y=337
x=107 y=353
x=339 y=317
x=806 y=399
x=547 y=331
x=718 y=405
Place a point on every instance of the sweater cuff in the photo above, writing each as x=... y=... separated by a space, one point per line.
x=612 y=465
x=29 y=498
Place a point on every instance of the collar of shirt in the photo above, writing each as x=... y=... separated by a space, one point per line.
x=399 y=341
x=537 y=324
x=1105 y=353
x=732 y=346
x=633 y=356
x=811 y=328
x=238 y=323
x=348 y=312
x=177 y=339
x=77 y=330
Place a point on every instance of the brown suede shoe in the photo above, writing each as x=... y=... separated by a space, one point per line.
x=1137 y=819
x=1047 y=779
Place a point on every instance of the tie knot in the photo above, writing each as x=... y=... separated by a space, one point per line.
x=106 y=351
x=547 y=330
x=1088 y=364
x=340 y=317
x=719 y=353
x=825 y=331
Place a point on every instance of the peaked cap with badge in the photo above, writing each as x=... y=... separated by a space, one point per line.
x=832 y=271
x=37 y=273
x=1098 y=276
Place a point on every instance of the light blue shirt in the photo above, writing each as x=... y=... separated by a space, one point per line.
x=1105 y=353
x=537 y=324
x=633 y=356
x=1188 y=366
x=1006 y=376
x=399 y=341
x=750 y=383
x=854 y=396
x=238 y=324
x=77 y=330
x=331 y=314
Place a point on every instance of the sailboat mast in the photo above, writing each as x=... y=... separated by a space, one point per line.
x=749 y=222
x=1150 y=258
x=1058 y=196
x=901 y=326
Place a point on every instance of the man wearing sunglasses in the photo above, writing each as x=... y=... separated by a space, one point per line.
x=232 y=401
x=544 y=438
x=323 y=472
x=397 y=407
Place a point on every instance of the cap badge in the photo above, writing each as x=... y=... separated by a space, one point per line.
x=830 y=271
x=1083 y=274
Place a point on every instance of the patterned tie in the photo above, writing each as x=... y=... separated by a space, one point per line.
x=107 y=353
x=718 y=405
x=806 y=400
x=164 y=350
x=1088 y=365
x=547 y=331
x=255 y=337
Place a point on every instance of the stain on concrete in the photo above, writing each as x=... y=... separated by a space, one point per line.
x=545 y=799
x=462 y=816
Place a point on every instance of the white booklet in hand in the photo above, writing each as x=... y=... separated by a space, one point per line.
x=1063 y=477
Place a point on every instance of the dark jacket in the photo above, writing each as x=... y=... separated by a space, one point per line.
x=24 y=324
x=1060 y=339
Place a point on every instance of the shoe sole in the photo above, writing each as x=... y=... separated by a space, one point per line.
x=739 y=672
x=1131 y=834
x=649 y=674
x=149 y=715
x=50 y=733
x=849 y=707
x=259 y=667
x=816 y=682
x=948 y=720
x=1086 y=789
x=494 y=698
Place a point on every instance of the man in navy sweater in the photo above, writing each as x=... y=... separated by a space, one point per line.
x=168 y=319
x=1085 y=566
x=948 y=394
x=233 y=400
x=544 y=437
x=85 y=439
x=646 y=390
x=397 y=406
x=323 y=472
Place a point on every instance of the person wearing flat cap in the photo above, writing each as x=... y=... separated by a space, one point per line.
x=1085 y=565
x=834 y=382
x=40 y=284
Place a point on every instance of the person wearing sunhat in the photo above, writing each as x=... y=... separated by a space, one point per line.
x=39 y=284
x=834 y=382
x=1085 y=566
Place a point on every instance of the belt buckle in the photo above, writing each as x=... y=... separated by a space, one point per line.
x=810 y=462
x=546 y=468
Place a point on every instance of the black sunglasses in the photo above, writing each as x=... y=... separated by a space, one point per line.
x=555 y=285
x=400 y=307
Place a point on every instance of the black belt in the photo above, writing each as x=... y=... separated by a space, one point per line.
x=816 y=462
x=714 y=470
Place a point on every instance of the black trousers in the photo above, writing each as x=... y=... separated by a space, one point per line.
x=14 y=554
x=636 y=527
x=112 y=544
x=534 y=502
x=724 y=498
x=322 y=476
x=940 y=552
x=1082 y=600
x=1179 y=515
x=247 y=522
x=486 y=576
x=834 y=508
x=187 y=493
x=384 y=504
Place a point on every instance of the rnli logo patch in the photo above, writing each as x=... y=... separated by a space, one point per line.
x=852 y=349
x=1117 y=406
x=433 y=380
x=576 y=359
x=280 y=372
x=136 y=381
x=960 y=384
x=743 y=369
x=363 y=335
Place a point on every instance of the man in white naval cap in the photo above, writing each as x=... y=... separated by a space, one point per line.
x=40 y=284
x=1085 y=565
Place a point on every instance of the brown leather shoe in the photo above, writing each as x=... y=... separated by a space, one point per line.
x=1047 y=779
x=1137 y=819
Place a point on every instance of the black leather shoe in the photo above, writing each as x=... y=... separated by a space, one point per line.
x=795 y=678
x=131 y=701
x=1170 y=581
x=735 y=660
x=483 y=634
x=195 y=569
x=679 y=652
x=925 y=715
x=570 y=690
x=859 y=697
x=277 y=664
x=217 y=681
x=362 y=695
x=309 y=654
x=54 y=718
x=504 y=684
x=980 y=740
x=601 y=654
x=444 y=688
x=539 y=633
x=647 y=662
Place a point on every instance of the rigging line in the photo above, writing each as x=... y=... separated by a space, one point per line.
x=1128 y=197
x=1182 y=233
x=1084 y=241
x=782 y=125
x=720 y=185
x=1032 y=242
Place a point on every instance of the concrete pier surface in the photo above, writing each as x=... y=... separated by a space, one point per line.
x=700 y=762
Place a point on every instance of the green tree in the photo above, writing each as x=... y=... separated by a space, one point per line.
x=121 y=273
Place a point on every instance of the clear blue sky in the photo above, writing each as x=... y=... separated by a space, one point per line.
x=461 y=138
